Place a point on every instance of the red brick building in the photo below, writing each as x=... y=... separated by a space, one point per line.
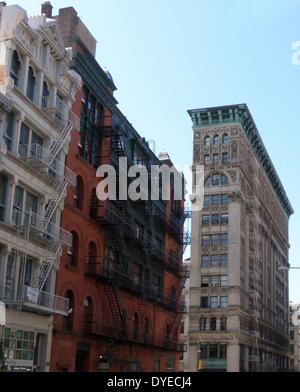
x=123 y=276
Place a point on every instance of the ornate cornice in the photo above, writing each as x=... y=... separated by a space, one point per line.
x=241 y=114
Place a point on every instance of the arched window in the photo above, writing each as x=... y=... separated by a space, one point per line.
x=30 y=84
x=79 y=192
x=88 y=314
x=216 y=140
x=168 y=331
x=136 y=323
x=216 y=180
x=225 y=139
x=73 y=251
x=207 y=141
x=92 y=253
x=147 y=326
x=45 y=98
x=68 y=321
x=15 y=67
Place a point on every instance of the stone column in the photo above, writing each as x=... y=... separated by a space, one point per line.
x=38 y=92
x=233 y=356
x=24 y=74
x=9 y=199
x=17 y=130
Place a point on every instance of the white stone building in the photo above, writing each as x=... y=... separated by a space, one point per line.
x=37 y=91
x=238 y=310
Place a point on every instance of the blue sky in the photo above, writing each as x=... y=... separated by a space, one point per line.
x=167 y=56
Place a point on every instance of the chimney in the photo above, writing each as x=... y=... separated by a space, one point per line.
x=47 y=9
x=2 y=4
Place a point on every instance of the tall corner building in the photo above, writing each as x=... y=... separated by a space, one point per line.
x=239 y=301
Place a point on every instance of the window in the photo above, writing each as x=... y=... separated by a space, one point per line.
x=9 y=131
x=224 y=239
x=206 y=159
x=225 y=157
x=156 y=283
x=224 y=260
x=224 y=180
x=18 y=344
x=207 y=141
x=216 y=159
x=205 y=220
x=292 y=335
x=224 y=280
x=216 y=180
x=79 y=193
x=30 y=84
x=205 y=240
x=214 y=281
x=3 y=195
x=204 y=281
x=18 y=205
x=224 y=219
x=68 y=320
x=223 y=302
x=204 y=261
x=225 y=200
x=92 y=253
x=216 y=140
x=45 y=97
x=225 y=139
x=202 y=324
x=15 y=67
x=204 y=302
x=213 y=351
x=136 y=323
x=90 y=129
x=207 y=201
x=73 y=251
x=215 y=219
x=170 y=364
x=213 y=302
x=139 y=230
x=215 y=239
x=215 y=261
x=213 y=324
x=157 y=365
x=223 y=351
x=223 y=324
x=216 y=200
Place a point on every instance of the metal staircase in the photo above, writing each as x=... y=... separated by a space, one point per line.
x=114 y=300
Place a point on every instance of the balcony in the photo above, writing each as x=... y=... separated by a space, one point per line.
x=44 y=302
x=91 y=326
x=134 y=237
x=58 y=113
x=254 y=313
x=35 y=301
x=39 y=158
x=37 y=230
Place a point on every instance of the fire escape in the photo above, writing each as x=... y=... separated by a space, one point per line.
x=120 y=233
x=44 y=162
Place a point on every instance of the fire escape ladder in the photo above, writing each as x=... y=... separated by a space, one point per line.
x=53 y=251
x=57 y=194
x=64 y=130
x=114 y=300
